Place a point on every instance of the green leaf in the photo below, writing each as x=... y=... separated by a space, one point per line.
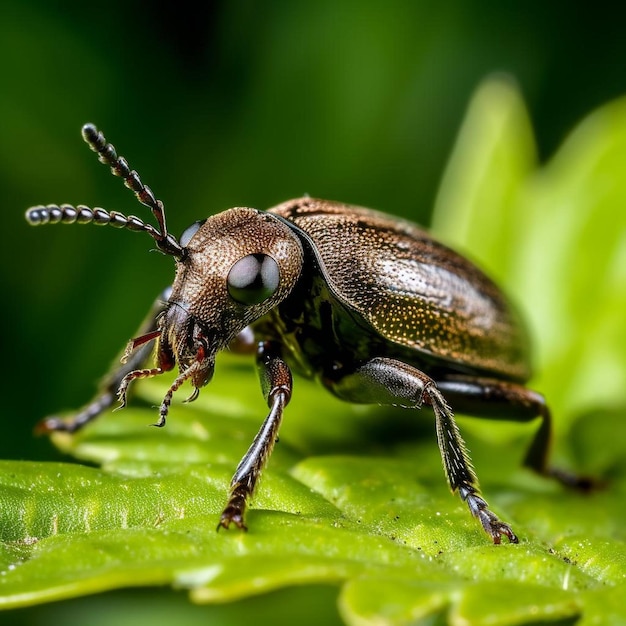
x=555 y=236
x=355 y=496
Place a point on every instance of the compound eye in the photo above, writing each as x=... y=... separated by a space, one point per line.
x=253 y=279
x=189 y=232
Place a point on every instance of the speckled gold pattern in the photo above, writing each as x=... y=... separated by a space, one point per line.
x=413 y=290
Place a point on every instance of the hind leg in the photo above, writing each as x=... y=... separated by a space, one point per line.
x=391 y=382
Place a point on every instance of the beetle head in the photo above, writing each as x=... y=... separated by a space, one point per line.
x=231 y=270
x=236 y=267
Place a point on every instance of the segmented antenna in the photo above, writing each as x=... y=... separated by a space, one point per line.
x=80 y=214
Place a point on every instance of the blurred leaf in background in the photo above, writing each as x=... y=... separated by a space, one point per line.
x=555 y=236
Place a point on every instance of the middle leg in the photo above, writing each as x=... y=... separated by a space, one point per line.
x=391 y=382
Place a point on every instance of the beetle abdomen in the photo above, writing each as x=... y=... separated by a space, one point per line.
x=411 y=289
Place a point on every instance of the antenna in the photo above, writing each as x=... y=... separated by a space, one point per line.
x=80 y=214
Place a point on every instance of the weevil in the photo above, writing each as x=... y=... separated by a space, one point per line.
x=371 y=305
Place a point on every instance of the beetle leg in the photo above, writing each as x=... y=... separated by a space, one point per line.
x=108 y=390
x=276 y=383
x=495 y=399
x=391 y=382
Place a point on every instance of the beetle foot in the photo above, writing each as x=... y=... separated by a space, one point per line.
x=50 y=425
x=496 y=529
x=234 y=512
x=231 y=515
x=584 y=484
x=76 y=421
x=490 y=522
x=121 y=394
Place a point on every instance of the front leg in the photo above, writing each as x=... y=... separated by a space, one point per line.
x=108 y=391
x=391 y=382
x=276 y=383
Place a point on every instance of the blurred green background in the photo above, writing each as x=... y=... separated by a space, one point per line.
x=226 y=104
x=238 y=103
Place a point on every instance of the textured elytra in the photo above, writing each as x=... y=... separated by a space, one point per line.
x=412 y=289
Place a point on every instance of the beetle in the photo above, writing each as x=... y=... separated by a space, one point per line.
x=371 y=305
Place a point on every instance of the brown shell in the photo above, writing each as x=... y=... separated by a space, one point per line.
x=413 y=290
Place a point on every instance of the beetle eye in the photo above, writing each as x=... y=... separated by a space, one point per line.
x=189 y=232
x=253 y=279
